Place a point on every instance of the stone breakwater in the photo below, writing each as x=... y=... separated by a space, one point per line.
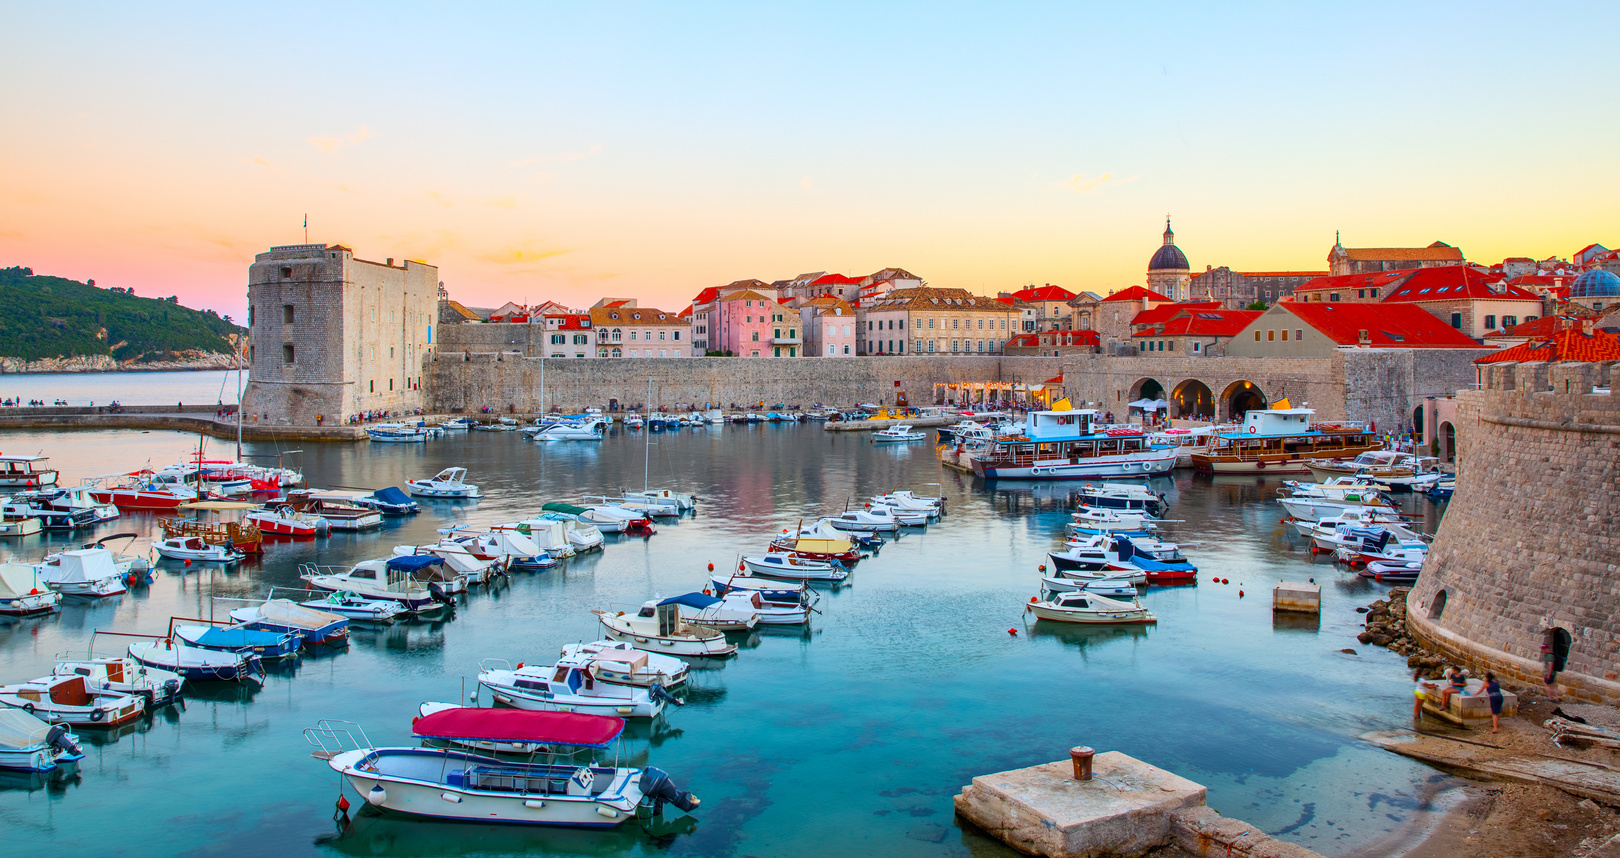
x=1386 y=627
x=107 y=363
x=1529 y=550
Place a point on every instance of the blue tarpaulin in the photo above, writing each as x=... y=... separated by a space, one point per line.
x=238 y=638
x=692 y=600
x=413 y=562
x=393 y=496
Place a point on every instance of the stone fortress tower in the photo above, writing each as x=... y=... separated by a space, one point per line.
x=1529 y=550
x=1168 y=272
x=335 y=336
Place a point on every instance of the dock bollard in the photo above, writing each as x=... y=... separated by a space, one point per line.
x=1081 y=757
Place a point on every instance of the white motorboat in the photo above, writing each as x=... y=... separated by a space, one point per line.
x=195 y=548
x=22 y=471
x=1095 y=521
x=545 y=535
x=510 y=548
x=863 y=520
x=70 y=700
x=195 y=664
x=24 y=593
x=450 y=483
x=314 y=627
x=907 y=500
x=1123 y=496
x=356 y=608
x=28 y=744
x=568 y=686
x=582 y=535
x=120 y=674
x=236 y=639
x=494 y=746
x=463 y=564
x=902 y=517
x=634 y=421
x=643 y=506
x=793 y=568
x=1113 y=588
x=462 y=785
x=606 y=519
x=76 y=499
x=682 y=502
x=401 y=433
x=41 y=505
x=620 y=663
x=387 y=579
x=736 y=613
x=280 y=519
x=84 y=572
x=1089 y=608
x=1326 y=531
x=659 y=628
x=899 y=432
x=16 y=521
x=592 y=429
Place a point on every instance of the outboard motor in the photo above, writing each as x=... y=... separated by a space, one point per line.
x=62 y=740
x=656 y=785
x=658 y=692
x=171 y=690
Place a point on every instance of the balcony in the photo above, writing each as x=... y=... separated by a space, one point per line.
x=792 y=339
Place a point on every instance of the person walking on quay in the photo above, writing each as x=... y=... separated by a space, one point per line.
x=1549 y=677
x=1493 y=689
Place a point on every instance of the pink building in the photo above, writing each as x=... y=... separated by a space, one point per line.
x=829 y=326
x=750 y=324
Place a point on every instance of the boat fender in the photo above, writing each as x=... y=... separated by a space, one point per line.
x=98 y=715
x=28 y=707
x=377 y=795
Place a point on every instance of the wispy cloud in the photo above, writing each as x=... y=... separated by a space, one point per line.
x=1085 y=184
x=261 y=162
x=522 y=253
x=332 y=144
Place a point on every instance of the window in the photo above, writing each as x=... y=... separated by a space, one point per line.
x=371 y=387
x=930 y=346
x=559 y=339
x=1333 y=296
x=1510 y=321
x=916 y=347
x=617 y=352
x=286 y=271
x=1374 y=292
x=1438 y=606
x=286 y=314
x=1490 y=322
x=1299 y=334
x=1257 y=335
x=1271 y=335
x=1172 y=345
x=778 y=352
x=956 y=345
x=981 y=324
x=677 y=336
x=1197 y=347
x=1456 y=321
x=1361 y=293
x=287 y=353
x=390 y=384
x=250 y=354
x=632 y=336
x=930 y=323
x=777 y=333
x=1268 y=293
x=756 y=336
x=956 y=323
x=846 y=348
x=1285 y=335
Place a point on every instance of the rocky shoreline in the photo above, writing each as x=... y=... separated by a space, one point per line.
x=107 y=363
x=1386 y=627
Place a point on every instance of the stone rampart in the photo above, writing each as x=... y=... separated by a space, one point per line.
x=467 y=381
x=1529 y=550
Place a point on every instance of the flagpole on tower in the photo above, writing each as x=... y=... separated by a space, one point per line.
x=306 y=227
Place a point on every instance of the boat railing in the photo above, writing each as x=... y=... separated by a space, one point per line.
x=312 y=569
x=487 y=664
x=332 y=737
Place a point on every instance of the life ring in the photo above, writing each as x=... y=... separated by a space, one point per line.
x=1254 y=430
x=28 y=707
x=97 y=714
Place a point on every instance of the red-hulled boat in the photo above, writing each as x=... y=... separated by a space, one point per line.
x=141 y=490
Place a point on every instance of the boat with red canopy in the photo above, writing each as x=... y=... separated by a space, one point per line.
x=549 y=788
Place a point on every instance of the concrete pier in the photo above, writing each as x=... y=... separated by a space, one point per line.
x=1294 y=596
x=1128 y=808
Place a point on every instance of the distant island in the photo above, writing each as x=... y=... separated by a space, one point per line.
x=52 y=324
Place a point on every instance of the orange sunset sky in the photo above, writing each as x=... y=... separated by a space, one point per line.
x=537 y=151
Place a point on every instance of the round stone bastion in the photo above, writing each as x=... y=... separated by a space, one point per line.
x=1529 y=551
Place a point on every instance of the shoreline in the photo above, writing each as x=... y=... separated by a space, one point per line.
x=165 y=366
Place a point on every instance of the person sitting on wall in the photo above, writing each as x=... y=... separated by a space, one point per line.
x=1456 y=683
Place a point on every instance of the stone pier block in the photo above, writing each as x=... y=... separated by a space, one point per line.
x=1294 y=596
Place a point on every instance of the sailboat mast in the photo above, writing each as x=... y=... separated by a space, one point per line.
x=646 y=456
x=239 y=404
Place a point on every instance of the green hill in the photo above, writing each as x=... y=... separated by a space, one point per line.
x=48 y=317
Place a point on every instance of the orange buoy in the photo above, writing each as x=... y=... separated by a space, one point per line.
x=520 y=665
x=711 y=567
x=706 y=592
x=1043 y=567
x=1033 y=599
x=1013 y=632
x=188 y=562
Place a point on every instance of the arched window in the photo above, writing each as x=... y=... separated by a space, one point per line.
x=617 y=352
x=1438 y=606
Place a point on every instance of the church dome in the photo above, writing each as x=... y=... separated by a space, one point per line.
x=1596 y=283
x=1168 y=258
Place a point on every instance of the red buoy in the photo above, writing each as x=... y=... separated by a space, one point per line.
x=711 y=567
x=1013 y=632
x=1240 y=594
x=188 y=562
x=1226 y=581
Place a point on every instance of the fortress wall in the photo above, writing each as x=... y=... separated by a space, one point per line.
x=1530 y=542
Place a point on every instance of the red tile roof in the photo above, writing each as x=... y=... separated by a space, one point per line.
x=1043 y=293
x=1454 y=282
x=706 y=296
x=1437 y=252
x=1342 y=282
x=1387 y=325
x=1136 y=293
x=1057 y=379
x=835 y=280
x=1204 y=323
x=572 y=321
x=1565 y=345
x=1160 y=313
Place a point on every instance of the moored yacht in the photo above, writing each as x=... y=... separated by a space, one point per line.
x=1071 y=445
x=1282 y=441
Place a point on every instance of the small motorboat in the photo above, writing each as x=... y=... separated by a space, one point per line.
x=340 y=510
x=1089 y=608
x=357 y=608
x=1161 y=562
x=120 y=674
x=902 y=517
x=1094 y=521
x=1114 y=588
x=194 y=664
x=738 y=612
x=69 y=700
x=659 y=627
x=643 y=506
x=18 y=521
x=24 y=593
x=195 y=548
x=51 y=517
x=283 y=616
x=1123 y=496
x=511 y=549
x=239 y=639
x=450 y=483
x=683 y=502
x=617 y=519
x=84 y=572
x=900 y=432
x=863 y=520
x=793 y=568
x=401 y=433
x=568 y=686
x=524 y=748
x=771 y=590
x=143 y=490
x=390 y=502
x=592 y=429
x=620 y=663
x=544 y=536
x=911 y=502
x=581 y=535
x=448 y=783
x=28 y=744
x=387 y=579
x=1442 y=488
x=840 y=548
x=440 y=571
x=280 y=519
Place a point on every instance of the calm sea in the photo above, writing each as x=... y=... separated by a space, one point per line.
x=205 y=387
x=849 y=737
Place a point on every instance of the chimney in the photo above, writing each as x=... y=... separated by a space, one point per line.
x=1144 y=302
x=390 y=260
x=1363 y=337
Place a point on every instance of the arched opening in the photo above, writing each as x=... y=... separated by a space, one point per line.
x=1438 y=606
x=1417 y=422
x=1146 y=388
x=1561 y=641
x=1193 y=400
x=1241 y=397
x=1448 y=442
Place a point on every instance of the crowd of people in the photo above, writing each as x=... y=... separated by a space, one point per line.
x=17 y=402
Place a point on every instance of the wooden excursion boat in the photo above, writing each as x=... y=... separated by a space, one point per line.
x=1283 y=441
x=1072 y=445
x=244 y=536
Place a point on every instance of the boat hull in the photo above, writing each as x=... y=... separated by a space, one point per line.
x=713 y=647
x=126 y=499
x=443 y=801
x=1096 y=618
x=34 y=603
x=1099 y=468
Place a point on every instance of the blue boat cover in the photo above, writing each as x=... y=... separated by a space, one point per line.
x=413 y=562
x=392 y=495
x=236 y=638
x=692 y=600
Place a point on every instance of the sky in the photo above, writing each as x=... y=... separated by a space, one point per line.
x=569 y=152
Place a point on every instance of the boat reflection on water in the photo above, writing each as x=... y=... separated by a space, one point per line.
x=56 y=780
x=1083 y=637
x=411 y=635
x=370 y=833
x=100 y=738
x=1295 y=621
x=222 y=692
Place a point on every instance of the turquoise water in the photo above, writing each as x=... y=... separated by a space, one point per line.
x=202 y=387
x=849 y=737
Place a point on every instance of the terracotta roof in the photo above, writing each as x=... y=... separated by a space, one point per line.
x=1165 y=312
x=1546 y=326
x=1282 y=273
x=1565 y=345
x=1387 y=325
x=1057 y=379
x=827 y=304
x=706 y=295
x=461 y=310
x=1524 y=281
x=1453 y=282
x=1136 y=293
x=1342 y=282
x=572 y=321
x=1043 y=293
x=835 y=280
x=631 y=317
x=935 y=299
x=1204 y=323
x=1518 y=259
x=1436 y=252
x=746 y=294
x=616 y=304
x=686 y=313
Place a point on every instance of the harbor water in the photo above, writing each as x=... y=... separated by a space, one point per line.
x=195 y=387
x=846 y=737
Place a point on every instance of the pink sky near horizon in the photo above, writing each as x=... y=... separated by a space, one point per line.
x=545 y=154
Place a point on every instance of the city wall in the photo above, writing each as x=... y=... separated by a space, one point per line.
x=1529 y=549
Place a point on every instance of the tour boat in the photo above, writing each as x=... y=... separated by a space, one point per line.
x=280 y=519
x=1071 y=445
x=863 y=520
x=24 y=593
x=448 y=483
x=339 y=516
x=28 y=744
x=793 y=568
x=622 y=664
x=1186 y=442
x=16 y=521
x=194 y=664
x=84 y=572
x=356 y=608
x=121 y=674
x=567 y=430
x=284 y=616
x=139 y=490
x=1283 y=441
x=899 y=432
x=388 y=579
x=452 y=784
x=238 y=639
x=194 y=548
x=1126 y=498
x=568 y=686
x=69 y=700
x=1089 y=608
x=658 y=627
x=21 y=471
x=51 y=517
